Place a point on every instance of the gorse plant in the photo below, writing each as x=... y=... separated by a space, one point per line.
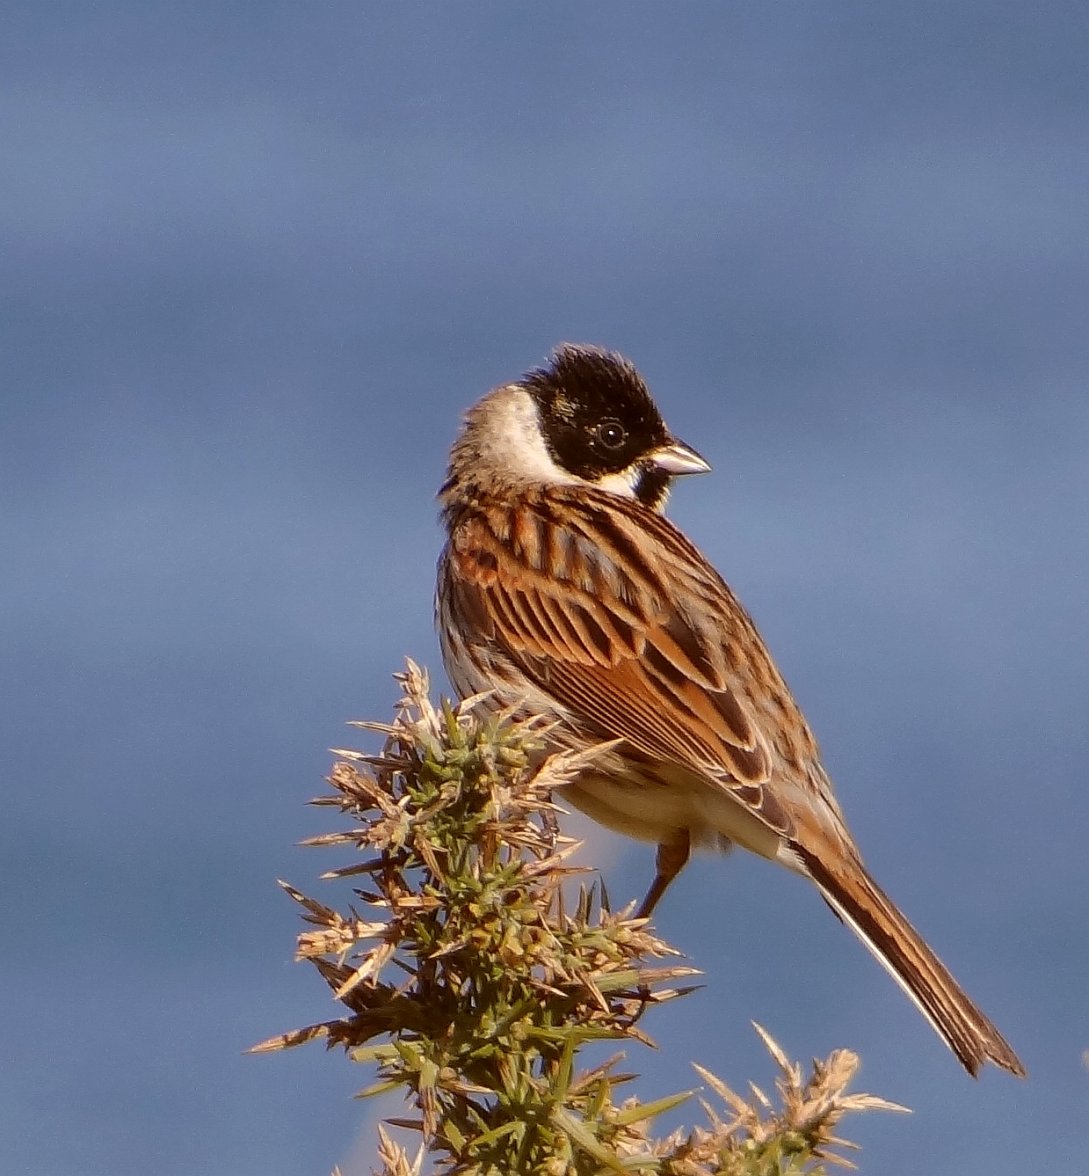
x=474 y=987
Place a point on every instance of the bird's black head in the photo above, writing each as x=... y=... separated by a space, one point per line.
x=601 y=425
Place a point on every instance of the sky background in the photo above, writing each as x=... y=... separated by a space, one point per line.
x=256 y=260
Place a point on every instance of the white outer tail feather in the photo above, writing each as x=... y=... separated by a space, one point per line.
x=952 y=1014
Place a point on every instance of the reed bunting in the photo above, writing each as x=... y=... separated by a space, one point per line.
x=563 y=590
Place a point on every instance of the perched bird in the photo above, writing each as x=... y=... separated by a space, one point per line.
x=563 y=590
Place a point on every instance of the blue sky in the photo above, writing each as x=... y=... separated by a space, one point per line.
x=256 y=260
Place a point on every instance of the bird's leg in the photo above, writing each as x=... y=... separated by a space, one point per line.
x=671 y=859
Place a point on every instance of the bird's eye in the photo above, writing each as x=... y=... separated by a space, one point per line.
x=611 y=434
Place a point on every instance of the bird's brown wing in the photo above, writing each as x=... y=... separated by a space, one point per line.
x=607 y=608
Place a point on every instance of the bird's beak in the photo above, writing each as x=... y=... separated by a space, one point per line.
x=678 y=458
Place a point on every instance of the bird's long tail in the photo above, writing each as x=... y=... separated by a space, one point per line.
x=903 y=953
